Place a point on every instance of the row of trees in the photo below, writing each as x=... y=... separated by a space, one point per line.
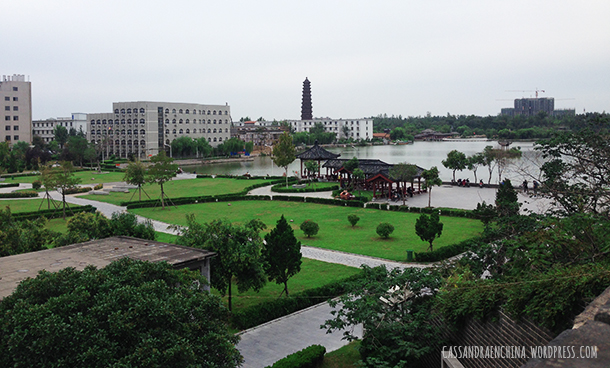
x=491 y=157
x=200 y=147
x=242 y=256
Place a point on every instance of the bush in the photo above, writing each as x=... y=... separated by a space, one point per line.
x=447 y=251
x=99 y=186
x=24 y=194
x=36 y=184
x=310 y=228
x=384 y=230
x=353 y=219
x=77 y=190
x=310 y=357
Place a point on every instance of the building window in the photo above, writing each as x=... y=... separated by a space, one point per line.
x=167 y=131
x=173 y=111
x=167 y=111
x=116 y=111
x=7 y=118
x=188 y=131
x=226 y=113
x=180 y=121
x=181 y=131
x=6 y=98
x=209 y=139
x=8 y=127
x=15 y=89
x=166 y=121
x=129 y=111
x=209 y=121
x=187 y=121
x=142 y=131
x=214 y=121
x=220 y=139
x=15 y=127
x=173 y=121
x=128 y=121
x=141 y=110
x=15 y=137
x=8 y=138
x=15 y=117
x=15 y=108
x=214 y=112
x=122 y=111
x=187 y=111
x=209 y=112
x=7 y=108
x=142 y=121
x=173 y=131
x=15 y=98
x=180 y=111
x=209 y=130
x=214 y=139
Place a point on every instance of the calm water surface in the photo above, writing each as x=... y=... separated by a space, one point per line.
x=423 y=154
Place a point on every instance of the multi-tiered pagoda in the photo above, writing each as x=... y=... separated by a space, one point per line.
x=306 y=110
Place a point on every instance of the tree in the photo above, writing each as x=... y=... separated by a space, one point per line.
x=135 y=174
x=345 y=130
x=281 y=254
x=507 y=204
x=403 y=173
x=473 y=163
x=352 y=164
x=63 y=179
x=184 y=146
x=203 y=147
x=238 y=253
x=456 y=160
x=312 y=167
x=284 y=153
x=353 y=219
x=310 y=228
x=432 y=179
x=428 y=228
x=397 y=133
x=61 y=135
x=161 y=171
x=489 y=160
x=503 y=158
x=358 y=176
x=24 y=236
x=384 y=230
x=77 y=146
x=129 y=313
x=394 y=308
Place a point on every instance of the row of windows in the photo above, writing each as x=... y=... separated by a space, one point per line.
x=8 y=138
x=8 y=108
x=8 y=118
x=8 y=127
x=110 y=121
x=180 y=121
x=195 y=131
x=181 y=131
x=129 y=142
x=180 y=111
x=50 y=124
x=142 y=121
x=8 y=98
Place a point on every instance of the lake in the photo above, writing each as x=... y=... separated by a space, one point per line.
x=423 y=154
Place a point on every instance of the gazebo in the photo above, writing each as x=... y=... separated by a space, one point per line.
x=316 y=153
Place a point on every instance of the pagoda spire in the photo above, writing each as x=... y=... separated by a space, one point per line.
x=306 y=109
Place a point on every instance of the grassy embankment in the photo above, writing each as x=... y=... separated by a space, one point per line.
x=335 y=231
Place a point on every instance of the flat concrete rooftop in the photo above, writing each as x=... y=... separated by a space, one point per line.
x=99 y=253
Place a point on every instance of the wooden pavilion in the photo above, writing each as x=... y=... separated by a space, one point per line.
x=316 y=153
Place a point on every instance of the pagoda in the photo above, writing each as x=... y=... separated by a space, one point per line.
x=306 y=110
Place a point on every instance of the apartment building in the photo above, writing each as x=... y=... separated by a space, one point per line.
x=345 y=128
x=143 y=128
x=45 y=128
x=16 y=96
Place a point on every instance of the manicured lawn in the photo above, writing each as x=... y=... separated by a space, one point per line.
x=87 y=177
x=345 y=357
x=26 y=205
x=181 y=188
x=335 y=231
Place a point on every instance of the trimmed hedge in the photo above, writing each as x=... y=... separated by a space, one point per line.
x=447 y=251
x=279 y=188
x=310 y=357
x=77 y=190
x=443 y=211
x=334 y=202
x=52 y=213
x=8 y=185
x=24 y=194
x=270 y=310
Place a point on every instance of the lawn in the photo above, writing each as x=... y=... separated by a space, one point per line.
x=27 y=205
x=335 y=231
x=86 y=177
x=181 y=188
x=346 y=357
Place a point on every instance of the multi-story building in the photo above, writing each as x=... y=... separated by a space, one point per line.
x=261 y=133
x=45 y=128
x=16 y=95
x=532 y=106
x=143 y=128
x=345 y=128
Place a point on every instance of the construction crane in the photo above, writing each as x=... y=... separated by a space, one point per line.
x=536 y=90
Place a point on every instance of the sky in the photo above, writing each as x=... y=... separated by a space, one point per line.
x=363 y=58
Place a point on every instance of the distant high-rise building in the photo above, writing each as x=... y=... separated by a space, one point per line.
x=16 y=94
x=532 y=106
x=306 y=109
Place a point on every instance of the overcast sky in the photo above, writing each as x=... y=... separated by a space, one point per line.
x=363 y=58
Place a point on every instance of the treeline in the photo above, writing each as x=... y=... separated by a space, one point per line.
x=541 y=125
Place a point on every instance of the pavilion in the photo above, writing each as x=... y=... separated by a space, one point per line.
x=316 y=153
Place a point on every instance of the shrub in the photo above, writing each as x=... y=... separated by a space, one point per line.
x=384 y=230
x=77 y=190
x=24 y=194
x=353 y=219
x=310 y=228
x=99 y=186
x=310 y=357
x=36 y=184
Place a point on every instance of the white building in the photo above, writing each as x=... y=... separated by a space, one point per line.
x=345 y=128
x=45 y=128
x=16 y=95
x=142 y=128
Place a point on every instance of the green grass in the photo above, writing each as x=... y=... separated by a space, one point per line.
x=87 y=177
x=335 y=231
x=345 y=357
x=25 y=205
x=181 y=188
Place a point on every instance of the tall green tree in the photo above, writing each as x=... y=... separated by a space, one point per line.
x=77 y=146
x=456 y=160
x=238 y=253
x=489 y=160
x=432 y=179
x=129 y=314
x=161 y=171
x=284 y=153
x=281 y=254
x=403 y=173
x=135 y=174
x=428 y=228
x=474 y=162
x=60 y=135
x=64 y=179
